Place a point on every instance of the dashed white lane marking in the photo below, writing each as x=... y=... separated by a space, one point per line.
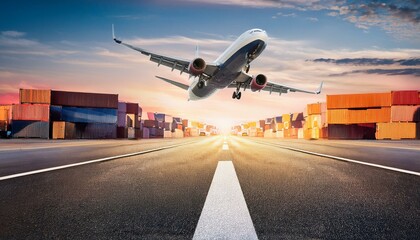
x=225 y=146
x=225 y=214
x=89 y=162
x=347 y=160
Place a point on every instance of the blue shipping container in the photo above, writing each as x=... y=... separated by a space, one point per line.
x=83 y=115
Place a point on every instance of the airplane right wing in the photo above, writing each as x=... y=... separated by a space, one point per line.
x=171 y=62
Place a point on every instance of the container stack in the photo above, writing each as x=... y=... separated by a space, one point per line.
x=315 y=126
x=354 y=116
x=405 y=117
x=154 y=125
x=76 y=115
x=5 y=118
x=128 y=122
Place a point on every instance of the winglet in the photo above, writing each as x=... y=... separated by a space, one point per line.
x=113 y=36
x=320 y=88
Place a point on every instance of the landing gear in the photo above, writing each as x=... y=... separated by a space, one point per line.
x=200 y=84
x=237 y=94
x=247 y=66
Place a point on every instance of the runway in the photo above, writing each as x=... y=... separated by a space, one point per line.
x=238 y=186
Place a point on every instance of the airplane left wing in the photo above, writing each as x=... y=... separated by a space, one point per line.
x=245 y=80
x=171 y=62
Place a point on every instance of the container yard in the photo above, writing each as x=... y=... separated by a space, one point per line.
x=73 y=115
x=394 y=115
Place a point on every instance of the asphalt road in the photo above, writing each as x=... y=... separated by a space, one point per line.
x=161 y=194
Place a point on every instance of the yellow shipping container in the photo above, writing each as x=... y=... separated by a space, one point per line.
x=395 y=131
x=252 y=124
x=279 y=126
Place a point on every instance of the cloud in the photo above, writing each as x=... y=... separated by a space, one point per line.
x=370 y=61
x=13 y=34
x=312 y=19
x=388 y=72
x=400 y=18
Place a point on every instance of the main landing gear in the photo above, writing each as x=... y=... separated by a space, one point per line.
x=237 y=94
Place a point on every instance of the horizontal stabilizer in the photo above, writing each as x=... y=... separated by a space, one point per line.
x=178 y=84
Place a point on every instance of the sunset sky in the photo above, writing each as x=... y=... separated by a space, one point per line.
x=353 y=46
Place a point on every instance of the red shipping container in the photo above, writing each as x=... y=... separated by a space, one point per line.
x=405 y=113
x=31 y=112
x=132 y=108
x=151 y=116
x=405 y=97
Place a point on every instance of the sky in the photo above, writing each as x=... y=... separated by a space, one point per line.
x=353 y=46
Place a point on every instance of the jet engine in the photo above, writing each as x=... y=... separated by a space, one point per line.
x=197 y=66
x=259 y=82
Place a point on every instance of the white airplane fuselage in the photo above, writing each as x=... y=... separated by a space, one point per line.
x=231 y=63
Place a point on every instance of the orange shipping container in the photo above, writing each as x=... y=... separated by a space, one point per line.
x=345 y=116
x=367 y=100
x=395 y=131
x=314 y=108
x=378 y=115
x=6 y=113
x=31 y=112
x=405 y=113
x=35 y=96
x=58 y=130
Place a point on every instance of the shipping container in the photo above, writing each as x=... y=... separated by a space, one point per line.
x=81 y=99
x=133 y=120
x=278 y=119
x=405 y=97
x=160 y=117
x=269 y=134
x=185 y=123
x=35 y=96
x=156 y=133
x=31 y=112
x=367 y=100
x=396 y=131
x=323 y=133
x=354 y=116
x=352 y=131
x=150 y=123
x=150 y=116
x=30 y=129
x=178 y=134
x=84 y=115
x=90 y=130
x=405 y=113
x=132 y=108
x=6 y=112
x=167 y=134
x=122 y=119
x=3 y=125
x=58 y=130
x=122 y=132
x=145 y=133
x=280 y=134
x=122 y=107
x=314 y=108
x=131 y=133
x=269 y=121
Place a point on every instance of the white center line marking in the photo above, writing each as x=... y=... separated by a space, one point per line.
x=225 y=147
x=225 y=214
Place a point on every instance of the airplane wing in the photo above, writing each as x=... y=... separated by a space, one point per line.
x=271 y=87
x=172 y=62
x=178 y=84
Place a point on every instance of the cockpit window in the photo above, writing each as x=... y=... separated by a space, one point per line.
x=255 y=31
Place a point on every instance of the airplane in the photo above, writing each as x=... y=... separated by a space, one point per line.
x=229 y=70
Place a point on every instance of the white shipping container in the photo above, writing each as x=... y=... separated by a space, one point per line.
x=194 y=132
x=167 y=134
x=300 y=133
x=146 y=133
x=131 y=133
x=178 y=133
x=280 y=134
x=269 y=134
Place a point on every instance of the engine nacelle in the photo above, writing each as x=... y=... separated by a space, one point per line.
x=197 y=66
x=259 y=82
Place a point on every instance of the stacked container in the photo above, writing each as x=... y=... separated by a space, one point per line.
x=71 y=114
x=405 y=117
x=128 y=121
x=315 y=126
x=354 y=116
x=5 y=118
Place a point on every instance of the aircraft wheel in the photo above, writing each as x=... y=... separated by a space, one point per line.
x=238 y=96
x=234 y=95
x=200 y=84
